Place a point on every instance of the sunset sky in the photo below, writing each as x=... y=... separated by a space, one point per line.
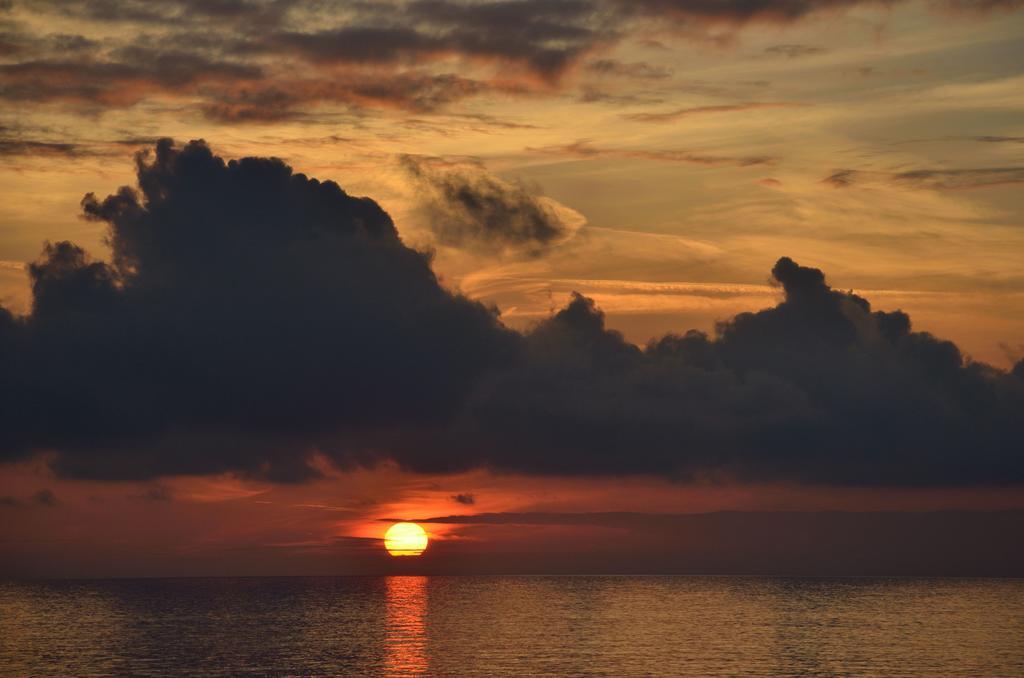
x=244 y=370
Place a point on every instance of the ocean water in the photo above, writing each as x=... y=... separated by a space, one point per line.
x=522 y=626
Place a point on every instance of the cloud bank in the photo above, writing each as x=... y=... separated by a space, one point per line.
x=231 y=286
x=258 y=61
x=251 y=317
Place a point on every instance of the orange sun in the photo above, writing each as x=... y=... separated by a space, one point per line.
x=405 y=539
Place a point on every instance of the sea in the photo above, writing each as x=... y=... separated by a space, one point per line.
x=513 y=626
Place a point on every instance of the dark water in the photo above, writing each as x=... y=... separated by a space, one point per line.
x=615 y=626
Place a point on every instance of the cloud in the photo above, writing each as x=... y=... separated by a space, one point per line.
x=466 y=499
x=163 y=12
x=841 y=178
x=594 y=95
x=818 y=389
x=234 y=88
x=794 y=51
x=25 y=45
x=534 y=19
x=45 y=497
x=977 y=6
x=138 y=74
x=931 y=179
x=999 y=140
x=547 y=37
x=636 y=70
x=259 y=61
x=517 y=34
x=744 y=11
x=669 y=116
x=583 y=148
x=32 y=147
x=271 y=100
x=157 y=493
x=467 y=207
x=250 y=317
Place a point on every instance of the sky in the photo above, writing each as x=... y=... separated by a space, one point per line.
x=712 y=286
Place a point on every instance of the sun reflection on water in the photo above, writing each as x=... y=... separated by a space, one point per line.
x=406 y=631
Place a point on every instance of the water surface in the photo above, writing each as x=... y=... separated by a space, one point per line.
x=611 y=626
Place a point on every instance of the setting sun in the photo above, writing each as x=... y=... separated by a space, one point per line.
x=405 y=539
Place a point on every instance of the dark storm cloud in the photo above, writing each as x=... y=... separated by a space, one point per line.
x=466 y=207
x=938 y=180
x=246 y=312
x=250 y=316
x=763 y=399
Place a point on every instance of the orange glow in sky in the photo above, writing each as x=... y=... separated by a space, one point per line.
x=658 y=162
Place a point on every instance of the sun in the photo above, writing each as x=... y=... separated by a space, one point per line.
x=405 y=539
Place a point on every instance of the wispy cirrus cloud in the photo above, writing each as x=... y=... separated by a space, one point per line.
x=584 y=148
x=679 y=113
x=32 y=147
x=117 y=82
x=931 y=179
x=792 y=51
x=635 y=69
x=990 y=139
